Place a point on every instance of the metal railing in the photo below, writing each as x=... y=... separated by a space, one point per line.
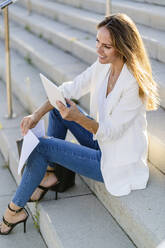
x=29 y=7
x=108 y=7
x=8 y=70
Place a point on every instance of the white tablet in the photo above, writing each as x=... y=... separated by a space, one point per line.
x=52 y=91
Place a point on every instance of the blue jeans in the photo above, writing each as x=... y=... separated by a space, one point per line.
x=83 y=159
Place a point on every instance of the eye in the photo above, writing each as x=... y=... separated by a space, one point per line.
x=107 y=47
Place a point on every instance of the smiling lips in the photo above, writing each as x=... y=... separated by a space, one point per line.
x=102 y=57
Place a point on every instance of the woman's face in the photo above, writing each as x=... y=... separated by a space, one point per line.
x=106 y=52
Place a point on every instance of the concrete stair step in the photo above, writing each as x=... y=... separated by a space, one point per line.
x=75 y=219
x=17 y=238
x=81 y=222
x=76 y=42
x=79 y=43
x=156 y=124
x=154 y=42
x=58 y=65
x=78 y=18
x=141 y=214
x=97 y=6
x=142 y=13
x=72 y=40
x=87 y=21
x=48 y=58
x=156 y=2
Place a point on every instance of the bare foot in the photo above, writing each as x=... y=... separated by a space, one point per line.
x=12 y=217
x=48 y=180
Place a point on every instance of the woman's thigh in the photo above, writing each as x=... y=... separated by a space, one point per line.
x=80 y=159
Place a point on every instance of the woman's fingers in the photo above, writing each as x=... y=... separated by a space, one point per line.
x=70 y=102
x=26 y=124
x=61 y=106
x=24 y=127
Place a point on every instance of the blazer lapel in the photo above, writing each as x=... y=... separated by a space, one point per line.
x=97 y=81
x=114 y=96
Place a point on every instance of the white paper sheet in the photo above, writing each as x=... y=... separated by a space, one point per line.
x=30 y=141
x=39 y=129
x=52 y=91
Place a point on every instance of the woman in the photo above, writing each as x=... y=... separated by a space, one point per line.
x=113 y=141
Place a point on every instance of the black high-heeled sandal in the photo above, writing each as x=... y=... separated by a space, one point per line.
x=45 y=189
x=12 y=225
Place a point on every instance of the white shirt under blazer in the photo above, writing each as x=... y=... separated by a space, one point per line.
x=122 y=132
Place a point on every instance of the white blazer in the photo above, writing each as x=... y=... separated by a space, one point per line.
x=122 y=133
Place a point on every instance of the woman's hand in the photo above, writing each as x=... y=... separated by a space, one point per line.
x=71 y=113
x=27 y=123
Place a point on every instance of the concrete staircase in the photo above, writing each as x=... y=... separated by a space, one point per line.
x=58 y=39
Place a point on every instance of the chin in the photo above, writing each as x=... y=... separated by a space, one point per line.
x=104 y=61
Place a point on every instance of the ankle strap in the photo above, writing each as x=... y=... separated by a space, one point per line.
x=15 y=211
x=50 y=171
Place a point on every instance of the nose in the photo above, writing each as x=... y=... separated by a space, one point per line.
x=99 y=48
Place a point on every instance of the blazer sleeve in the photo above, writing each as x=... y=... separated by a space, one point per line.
x=122 y=116
x=80 y=86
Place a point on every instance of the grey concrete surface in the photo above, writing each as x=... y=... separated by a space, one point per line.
x=142 y=13
x=153 y=39
x=80 y=43
x=157 y=138
x=97 y=6
x=26 y=83
x=17 y=238
x=49 y=59
x=157 y=2
x=141 y=214
x=79 y=18
x=82 y=222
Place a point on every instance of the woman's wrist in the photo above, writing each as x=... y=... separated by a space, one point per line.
x=87 y=123
x=41 y=111
x=79 y=118
x=36 y=116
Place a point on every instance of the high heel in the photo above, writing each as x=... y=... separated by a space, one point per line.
x=12 y=225
x=45 y=189
x=25 y=226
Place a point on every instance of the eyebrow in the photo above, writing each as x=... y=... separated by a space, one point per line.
x=104 y=43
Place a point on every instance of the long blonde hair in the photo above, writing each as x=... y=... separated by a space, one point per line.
x=128 y=42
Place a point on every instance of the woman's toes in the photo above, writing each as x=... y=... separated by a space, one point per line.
x=4 y=228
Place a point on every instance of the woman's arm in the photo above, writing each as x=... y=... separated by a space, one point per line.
x=73 y=89
x=42 y=110
x=90 y=125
